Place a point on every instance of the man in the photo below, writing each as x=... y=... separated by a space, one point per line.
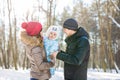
x=77 y=53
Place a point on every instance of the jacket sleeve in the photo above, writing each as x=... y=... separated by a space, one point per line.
x=78 y=57
x=39 y=61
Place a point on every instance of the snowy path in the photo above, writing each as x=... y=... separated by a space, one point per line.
x=9 y=74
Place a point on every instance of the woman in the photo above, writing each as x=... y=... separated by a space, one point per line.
x=40 y=67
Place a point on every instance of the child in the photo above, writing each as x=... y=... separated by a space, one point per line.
x=51 y=42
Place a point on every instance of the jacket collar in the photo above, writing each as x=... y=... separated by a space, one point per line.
x=80 y=32
x=29 y=40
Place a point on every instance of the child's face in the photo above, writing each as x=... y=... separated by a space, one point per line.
x=52 y=35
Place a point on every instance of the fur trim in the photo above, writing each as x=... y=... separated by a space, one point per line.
x=56 y=29
x=30 y=40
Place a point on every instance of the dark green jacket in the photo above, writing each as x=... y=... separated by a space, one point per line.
x=76 y=56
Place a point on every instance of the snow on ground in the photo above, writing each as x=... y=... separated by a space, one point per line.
x=11 y=74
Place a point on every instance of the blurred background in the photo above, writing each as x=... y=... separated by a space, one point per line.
x=101 y=18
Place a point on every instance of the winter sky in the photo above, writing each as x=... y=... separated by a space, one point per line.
x=24 y=5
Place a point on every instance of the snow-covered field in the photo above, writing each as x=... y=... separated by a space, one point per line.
x=11 y=74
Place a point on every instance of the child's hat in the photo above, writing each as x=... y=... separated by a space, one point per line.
x=56 y=29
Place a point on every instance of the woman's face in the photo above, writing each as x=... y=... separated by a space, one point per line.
x=52 y=35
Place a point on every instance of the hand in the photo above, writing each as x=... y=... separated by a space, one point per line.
x=54 y=54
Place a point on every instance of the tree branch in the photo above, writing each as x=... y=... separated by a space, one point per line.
x=43 y=9
x=115 y=5
x=113 y=20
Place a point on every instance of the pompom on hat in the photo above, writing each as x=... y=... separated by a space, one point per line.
x=24 y=25
x=32 y=28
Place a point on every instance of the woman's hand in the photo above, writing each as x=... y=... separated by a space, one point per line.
x=53 y=57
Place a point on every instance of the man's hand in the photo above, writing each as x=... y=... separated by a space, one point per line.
x=54 y=54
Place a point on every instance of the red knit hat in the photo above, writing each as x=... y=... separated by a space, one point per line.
x=32 y=28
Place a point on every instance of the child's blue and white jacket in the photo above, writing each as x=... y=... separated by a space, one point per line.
x=50 y=47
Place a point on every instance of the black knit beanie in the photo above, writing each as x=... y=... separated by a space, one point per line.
x=71 y=24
